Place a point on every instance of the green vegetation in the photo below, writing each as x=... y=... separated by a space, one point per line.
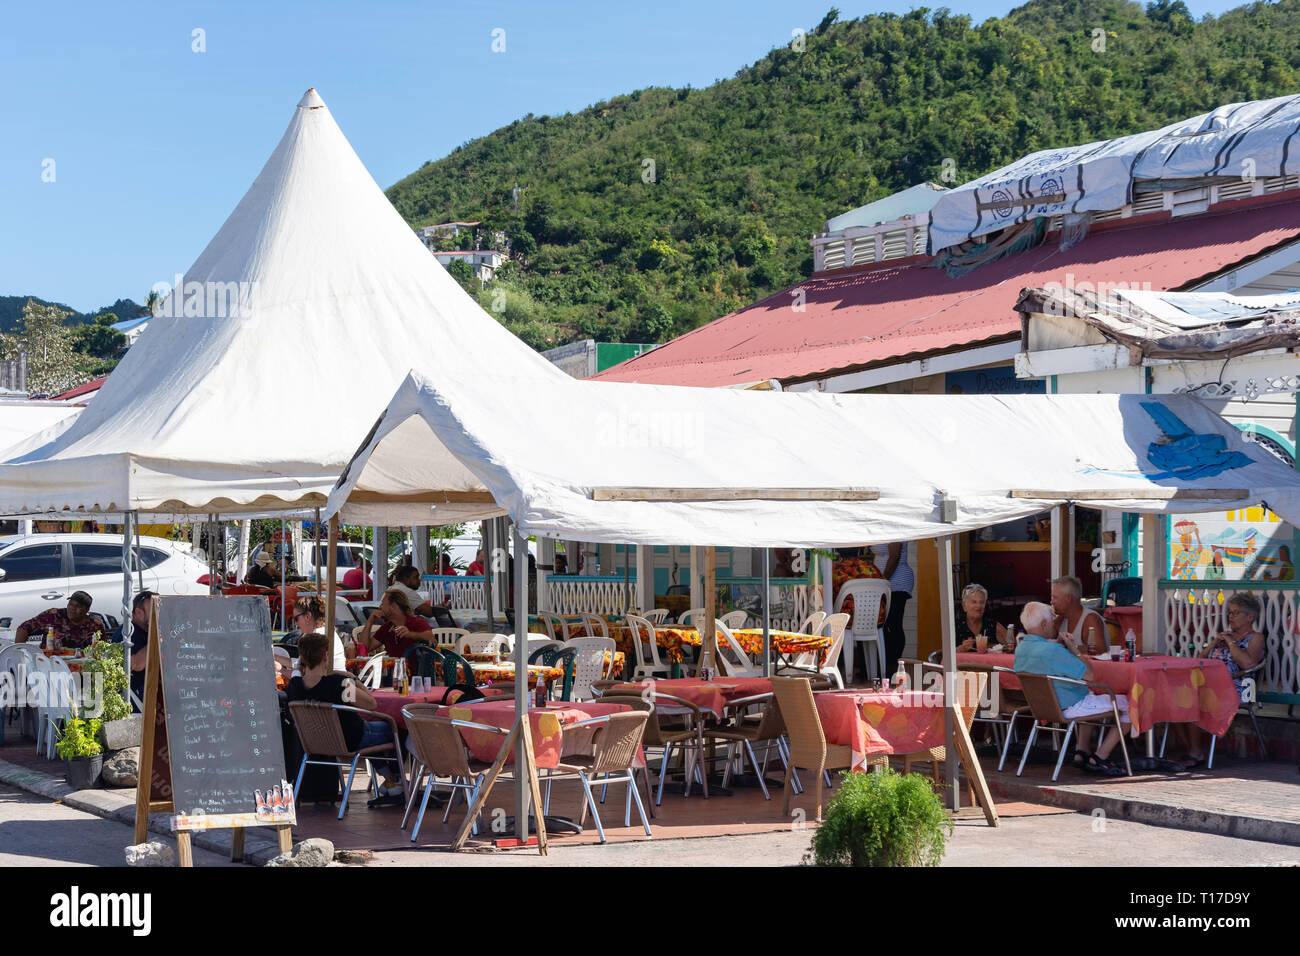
x=79 y=738
x=105 y=658
x=60 y=356
x=882 y=819
x=644 y=216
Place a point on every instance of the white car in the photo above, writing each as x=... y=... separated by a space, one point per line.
x=41 y=571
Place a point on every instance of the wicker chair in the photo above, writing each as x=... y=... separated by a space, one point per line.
x=769 y=729
x=808 y=747
x=1046 y=709
x=321 y=734
x=440 y=751
x=614 y=748
x=689 y=739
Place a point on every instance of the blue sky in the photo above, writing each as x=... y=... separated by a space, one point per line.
x=153 y=144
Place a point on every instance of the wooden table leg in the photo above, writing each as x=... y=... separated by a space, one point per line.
x=237 y=845
x=184 y=852
x=285 y=833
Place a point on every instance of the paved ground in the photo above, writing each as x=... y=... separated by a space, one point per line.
x=34 y=831
x=37 y=832
x=1054 y=839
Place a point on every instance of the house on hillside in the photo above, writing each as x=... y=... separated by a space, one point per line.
x=919 y=295
x=484 y=262
x=132 y=328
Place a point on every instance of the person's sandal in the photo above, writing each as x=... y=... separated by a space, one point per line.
x=1079 y=759
x=1094 y=764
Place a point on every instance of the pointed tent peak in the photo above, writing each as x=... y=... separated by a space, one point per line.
x=311 y=100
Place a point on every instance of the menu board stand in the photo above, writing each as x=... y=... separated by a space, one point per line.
x=529 y=771
x=154 y=792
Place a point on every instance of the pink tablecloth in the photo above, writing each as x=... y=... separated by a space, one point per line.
x=390 y=702
x=1159 y=689
x=881 y=723
x=710 y=696
x=550 y=741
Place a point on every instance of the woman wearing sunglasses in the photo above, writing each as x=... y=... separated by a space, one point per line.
x=309 y=618
x=973 y=622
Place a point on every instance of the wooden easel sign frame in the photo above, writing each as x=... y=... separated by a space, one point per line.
x=220 y=706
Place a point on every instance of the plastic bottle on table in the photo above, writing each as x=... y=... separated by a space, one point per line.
x=1130 y=645
x=1092 y=639
x=1010 y=644
x=900 y=678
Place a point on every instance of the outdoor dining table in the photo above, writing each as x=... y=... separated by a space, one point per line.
x=710 y=696
x=1160 y=689
x=881 y=722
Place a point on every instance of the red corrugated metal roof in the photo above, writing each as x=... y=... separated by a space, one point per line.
x=886 y=312
x=85 y=389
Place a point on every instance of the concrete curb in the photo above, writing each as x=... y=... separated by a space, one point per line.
x=1087 y=799
x=119 y=805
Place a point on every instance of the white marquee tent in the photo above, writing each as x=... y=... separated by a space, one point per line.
x=672 y=465
x=292 y=329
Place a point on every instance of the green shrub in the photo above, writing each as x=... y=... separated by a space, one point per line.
x=105 y=658
x=78 y=738
x=882 y=819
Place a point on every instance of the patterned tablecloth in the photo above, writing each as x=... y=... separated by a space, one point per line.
x=551 y=741
x=1159 y=689
x=673 y=639
x=881 y=723
x=710 y=696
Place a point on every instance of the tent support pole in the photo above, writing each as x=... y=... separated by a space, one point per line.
x=139 y=565
x=316 y=534
x=521 y=684
x=127 y=518
x=767 y=613
x=332 y=566
x=949 y=625
x=828 y=585
x=489 y=543
x=283 y=565
x=1153 y=569
x=708 y=630
x=627 y=580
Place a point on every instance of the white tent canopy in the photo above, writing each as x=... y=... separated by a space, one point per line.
x=764 y=469
x=289 y=334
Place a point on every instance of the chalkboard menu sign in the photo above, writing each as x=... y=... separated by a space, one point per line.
x=222 y=712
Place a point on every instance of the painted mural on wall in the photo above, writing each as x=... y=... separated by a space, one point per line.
x=1249 y=544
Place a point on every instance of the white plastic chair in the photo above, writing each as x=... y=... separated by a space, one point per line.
x=647 y=665
x=589 y=664
x=484 y=644
x=15 y=661
x=833 y=627
x=734 y=619
x=687 y=618
x=555 y=626
x=372 y=672
x=657 y=616
x=742 y=666
x=447 y=635
x=537 y=641
x=868 y=594
x=595 y=625
x=812 y=623
x=58 y=694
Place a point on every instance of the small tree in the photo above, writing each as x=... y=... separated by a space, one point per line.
x=53 y=364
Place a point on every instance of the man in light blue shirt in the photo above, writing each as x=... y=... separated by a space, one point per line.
x=1036 y=654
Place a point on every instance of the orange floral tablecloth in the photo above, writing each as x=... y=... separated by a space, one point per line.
x=849 y=569
x=711 y=696
x=551 y=741
x=788 y=643
x=1159 y=689
x=881 y=723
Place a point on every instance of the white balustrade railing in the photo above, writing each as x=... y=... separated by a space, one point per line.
x=589 y=595
x=1193 y=615
x=454 y=592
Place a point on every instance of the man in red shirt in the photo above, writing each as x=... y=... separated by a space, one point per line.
x=74 y=627
x=393 y=629
x=476 y=566
x=357 y=579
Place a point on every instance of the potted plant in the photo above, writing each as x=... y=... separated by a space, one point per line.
x=120 y=730
x=882 y=819
x=80 y=747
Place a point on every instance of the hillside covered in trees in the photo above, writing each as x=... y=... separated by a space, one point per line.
x=646 y=215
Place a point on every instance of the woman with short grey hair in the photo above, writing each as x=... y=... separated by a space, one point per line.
x=974 y=622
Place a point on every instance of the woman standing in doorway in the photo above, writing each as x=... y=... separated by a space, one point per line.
x=901 y=581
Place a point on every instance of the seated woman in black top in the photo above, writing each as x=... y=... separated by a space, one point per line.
x=974 y=622
x=317 y=682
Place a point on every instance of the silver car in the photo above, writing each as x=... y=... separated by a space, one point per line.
x=41 y=571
